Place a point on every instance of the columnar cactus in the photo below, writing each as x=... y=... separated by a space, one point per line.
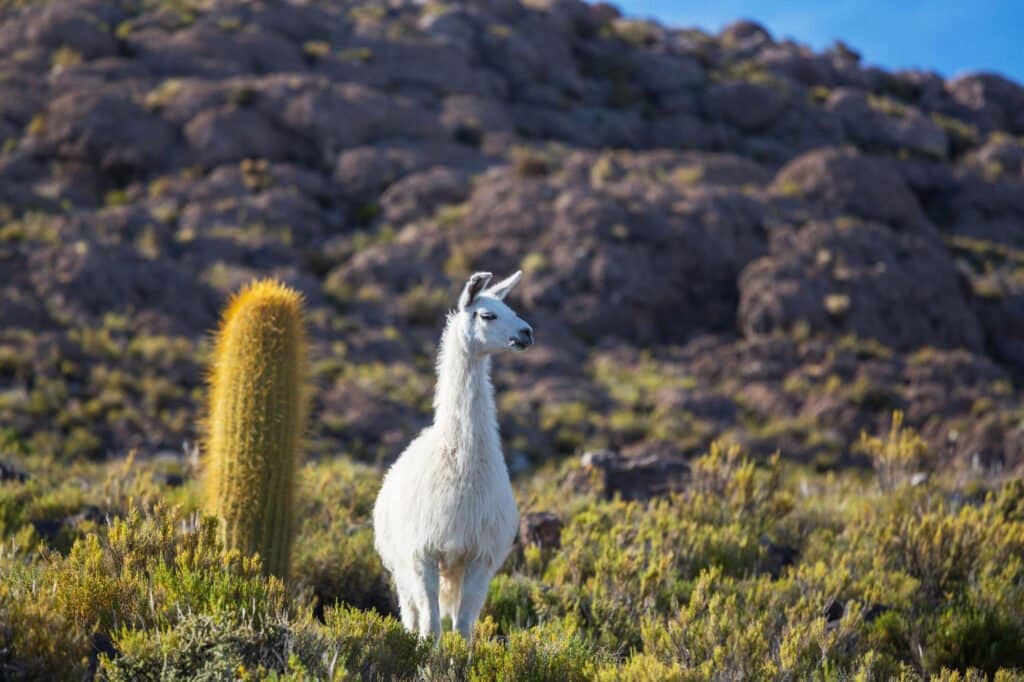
x=257 y=415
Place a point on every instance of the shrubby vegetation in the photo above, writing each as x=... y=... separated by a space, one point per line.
x=758 y=570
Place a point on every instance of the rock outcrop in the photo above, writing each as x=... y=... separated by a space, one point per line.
x=769 y=243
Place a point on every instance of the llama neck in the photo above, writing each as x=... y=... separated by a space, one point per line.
x=464 y=400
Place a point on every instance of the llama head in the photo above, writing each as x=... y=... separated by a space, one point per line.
x=493 y=327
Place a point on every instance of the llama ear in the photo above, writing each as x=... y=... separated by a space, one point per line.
x=473 y=288
x=501 y=289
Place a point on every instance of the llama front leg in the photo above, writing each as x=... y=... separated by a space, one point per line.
x=475 y=581
x=448 y=595
x=407 y=605
x=426 y=599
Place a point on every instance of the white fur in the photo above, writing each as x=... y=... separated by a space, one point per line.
x=445 y=518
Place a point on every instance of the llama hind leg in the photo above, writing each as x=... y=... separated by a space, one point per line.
x=475 y=582
x=426 y=598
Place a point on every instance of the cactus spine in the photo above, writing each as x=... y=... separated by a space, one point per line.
x=257 y=414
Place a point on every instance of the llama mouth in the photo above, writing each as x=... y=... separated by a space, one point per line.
x=518 y=345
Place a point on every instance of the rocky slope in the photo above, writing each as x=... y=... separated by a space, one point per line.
x=723 y=234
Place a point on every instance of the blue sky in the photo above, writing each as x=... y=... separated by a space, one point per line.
x=948 y=36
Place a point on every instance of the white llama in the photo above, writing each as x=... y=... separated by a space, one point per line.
x=445 y=518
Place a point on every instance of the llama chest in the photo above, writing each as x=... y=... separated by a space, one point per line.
x=470 y=511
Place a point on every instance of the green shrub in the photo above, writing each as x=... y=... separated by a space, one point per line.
x=554 y=651
x=969 y=637
x=896 y=455
x=334 y=555
x=756 y=570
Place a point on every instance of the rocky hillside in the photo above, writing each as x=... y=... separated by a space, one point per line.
x=723 y=235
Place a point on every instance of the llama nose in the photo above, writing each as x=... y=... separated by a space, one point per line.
x=526 y=335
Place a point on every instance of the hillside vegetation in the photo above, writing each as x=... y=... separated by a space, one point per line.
x=753 y=572
x=774 y=411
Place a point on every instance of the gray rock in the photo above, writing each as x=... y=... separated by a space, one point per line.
x=63 y=25
x=661 y=74
x=636 y=478
x=230 y=134
x=844 y=181
x=338 y=117
x=853 y=278
x=748 y=106
x=451 y=26
x=1000 y=157
x=681 y=131
x=994 y=100
x=472 y=112
x=423 y=192
x=86 y=280
x=909 y=129
x=540 y=529
x=109 y=130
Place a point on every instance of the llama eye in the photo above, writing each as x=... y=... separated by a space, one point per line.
x=485 y=315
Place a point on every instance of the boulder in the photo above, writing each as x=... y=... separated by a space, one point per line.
x=748 y=106
x=423 y=192
x=907 y=130
x=540 y=529
x=996 y=102
x=744 y=29
x=452 y=26
x=798 y=64
x=337 y=117
x=62 y=25
x=681 y=131
x=661 y=74
x=1000 y=156
x=110 y=131
x=464 y=114
x=9 y=472
x=203 y=49
x=843 y=181
x=85 y=281
x=850 y=277
x=635 y=478
x=363 y=173
x=230 y=134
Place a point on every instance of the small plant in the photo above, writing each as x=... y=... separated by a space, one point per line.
x=116 y=197
x=688 y=175
x=531 y=163
x=895 y=456
x=635 y=32
x=229 y=24
x=37 y=126
x=356 y=55
x=535 y=262
x=160 y=96
x=790 y=188
x=818 y=94
x=962 y=135
x=316 y=49
x=242 y=97
x=837 y=305
x=887 y=106
x=65 y=57
x=258 y=404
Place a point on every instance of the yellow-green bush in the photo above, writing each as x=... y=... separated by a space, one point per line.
x=334 y=557
x=754 y=571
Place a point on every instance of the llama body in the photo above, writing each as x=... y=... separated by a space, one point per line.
x=445 y=518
